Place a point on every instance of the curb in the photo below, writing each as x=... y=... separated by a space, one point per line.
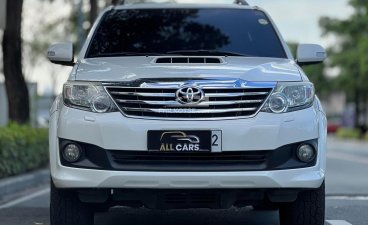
x=13 y=185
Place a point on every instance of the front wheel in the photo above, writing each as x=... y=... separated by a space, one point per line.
x=67 y=209
x=308 y=209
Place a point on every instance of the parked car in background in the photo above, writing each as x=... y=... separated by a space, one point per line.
x=333 y=125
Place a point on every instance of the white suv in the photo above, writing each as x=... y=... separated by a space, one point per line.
x=176 y=106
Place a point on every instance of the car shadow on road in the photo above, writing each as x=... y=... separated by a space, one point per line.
x=245 y=216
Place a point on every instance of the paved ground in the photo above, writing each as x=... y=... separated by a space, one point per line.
x=347 y=200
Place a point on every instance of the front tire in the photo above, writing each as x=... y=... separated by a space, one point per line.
x=67 y=209
x=308 y=209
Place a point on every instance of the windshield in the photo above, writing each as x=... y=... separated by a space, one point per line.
x=236 y=32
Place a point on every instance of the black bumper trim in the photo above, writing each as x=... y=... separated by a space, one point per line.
x=188 y=198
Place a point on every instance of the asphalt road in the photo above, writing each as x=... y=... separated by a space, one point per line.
x=347 y=200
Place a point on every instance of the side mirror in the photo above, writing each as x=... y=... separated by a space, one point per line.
x=61 y=53
x=308 y=54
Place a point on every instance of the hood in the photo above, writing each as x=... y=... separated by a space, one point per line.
x=123 y=69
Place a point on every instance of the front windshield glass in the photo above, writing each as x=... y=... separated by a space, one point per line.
x=127 y=2
x=209 y=31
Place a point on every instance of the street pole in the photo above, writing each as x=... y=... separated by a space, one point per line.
x=81 y=34
x=2 y=14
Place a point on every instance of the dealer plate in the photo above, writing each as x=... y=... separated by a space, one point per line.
x=184 y=141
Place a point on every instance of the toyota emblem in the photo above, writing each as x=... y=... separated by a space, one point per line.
x=189 y=95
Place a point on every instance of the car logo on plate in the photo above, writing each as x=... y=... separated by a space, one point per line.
x=189 y=95
x=179 y=141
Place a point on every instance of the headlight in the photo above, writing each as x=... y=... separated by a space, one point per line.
x=290 y=96
x=87 y=96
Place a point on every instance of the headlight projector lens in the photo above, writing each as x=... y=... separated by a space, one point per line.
x=101 y=103
x=306 y=153
x=278 y=103
x=72 y=153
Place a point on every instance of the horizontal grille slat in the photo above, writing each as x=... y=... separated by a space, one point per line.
x=126 y=157
x=219 y=95
x=204 y=103
x=190 y=110
x=144 y=94
x=161 y=102
x=179 y=161
x=201 y=158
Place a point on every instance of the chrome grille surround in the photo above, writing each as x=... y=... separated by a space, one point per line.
x=223 y=99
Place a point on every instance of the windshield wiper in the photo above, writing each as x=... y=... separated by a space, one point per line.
x=208 y=52
x=117 y=54
x=173 y=53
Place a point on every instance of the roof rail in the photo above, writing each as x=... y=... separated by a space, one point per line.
x=241 y=2
x=123 y=2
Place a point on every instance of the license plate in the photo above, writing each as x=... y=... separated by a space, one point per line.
x=184 y=141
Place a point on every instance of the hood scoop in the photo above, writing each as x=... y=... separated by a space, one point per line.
x=194 y=60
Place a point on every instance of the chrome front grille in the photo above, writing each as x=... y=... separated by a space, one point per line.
x=218 y=102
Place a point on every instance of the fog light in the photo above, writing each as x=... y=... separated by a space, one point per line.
x=306 y=153
x=72 y=152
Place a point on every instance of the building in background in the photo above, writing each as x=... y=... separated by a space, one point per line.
x=335 y=104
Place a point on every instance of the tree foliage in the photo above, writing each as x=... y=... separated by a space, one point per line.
x=350 y=55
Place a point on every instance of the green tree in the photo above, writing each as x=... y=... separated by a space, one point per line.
x=350 y=55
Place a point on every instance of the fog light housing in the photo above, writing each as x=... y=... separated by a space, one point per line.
x=306 y=153
x=72 y=152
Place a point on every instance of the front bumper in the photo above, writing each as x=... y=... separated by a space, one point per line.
x=115 y=132
x=65 y=177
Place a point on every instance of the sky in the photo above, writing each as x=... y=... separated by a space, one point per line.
x=297 y=20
